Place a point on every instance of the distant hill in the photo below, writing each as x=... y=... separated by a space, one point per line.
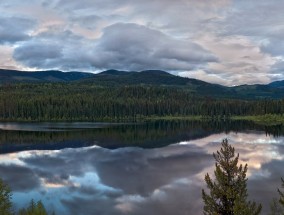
x=14 y=76
x=147 y=77
x=154 y=78
x=277 y=84
x=115 y=78
x=198 y=87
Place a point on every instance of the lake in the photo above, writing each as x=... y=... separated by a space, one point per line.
x=145 y=168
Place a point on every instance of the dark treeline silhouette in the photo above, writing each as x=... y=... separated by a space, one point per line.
x=62 y=101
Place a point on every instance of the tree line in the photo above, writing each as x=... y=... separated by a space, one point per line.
x=66 y=101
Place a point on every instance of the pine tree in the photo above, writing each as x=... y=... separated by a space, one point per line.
x=228 y=192
x=277 y=205
x=5 y=199
x=40 y=209
x=281 y=200
x=276 y=208
x=34 y=208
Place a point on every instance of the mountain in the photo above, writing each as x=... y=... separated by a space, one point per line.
x=198 y=87
x=14 y=76
x=116 y=78
x=277 y=84
x=147 y=77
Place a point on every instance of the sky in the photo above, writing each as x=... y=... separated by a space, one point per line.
x=229 y=42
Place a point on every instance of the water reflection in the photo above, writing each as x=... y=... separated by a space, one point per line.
x=168 y=180
x=55 y=136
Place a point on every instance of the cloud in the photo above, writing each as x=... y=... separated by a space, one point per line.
x=54 y=49
x=14 y=29
x=253 y=19
x=6 y=58
x=240 y=61
x=38 y=53
x=14 y=173
x=158 y=171
x=85 y=177
x=122 y=46
x=277 y=70
x=136 y=47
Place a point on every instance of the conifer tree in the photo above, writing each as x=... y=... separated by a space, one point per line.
x=5 y=199
x=228 y=192
x=276 y=208
x=281 y=200
x=34 y=208
x=277 y=205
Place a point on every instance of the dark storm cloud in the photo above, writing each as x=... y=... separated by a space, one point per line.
x=14 y=29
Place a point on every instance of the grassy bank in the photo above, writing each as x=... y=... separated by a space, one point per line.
x=189 y=118
x=268 y=119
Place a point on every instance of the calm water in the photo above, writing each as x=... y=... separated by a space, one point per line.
x=114 y=169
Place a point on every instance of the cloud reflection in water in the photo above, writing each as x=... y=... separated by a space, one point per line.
x=166 y=180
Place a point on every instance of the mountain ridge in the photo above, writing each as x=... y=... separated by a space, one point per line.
x=114 y=78
x=76 y=75
x=16 y=76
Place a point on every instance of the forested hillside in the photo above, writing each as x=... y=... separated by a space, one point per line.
x=154 y=78
x=14 y=76
x=88 y=102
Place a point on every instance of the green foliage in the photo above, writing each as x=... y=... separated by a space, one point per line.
x=5 y=199
x=155 y=78
x=6 y=204
x=276 y=208
x=34 y=209
x=228 y=192
x=277 y=205
x=88 y=102
x=281 y=200
x=266 y=119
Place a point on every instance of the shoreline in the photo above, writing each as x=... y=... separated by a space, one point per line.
x=267 y=119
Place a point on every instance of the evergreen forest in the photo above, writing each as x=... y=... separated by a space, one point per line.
x=91 y=102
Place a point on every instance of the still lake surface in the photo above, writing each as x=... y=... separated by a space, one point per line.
x=148 y=168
